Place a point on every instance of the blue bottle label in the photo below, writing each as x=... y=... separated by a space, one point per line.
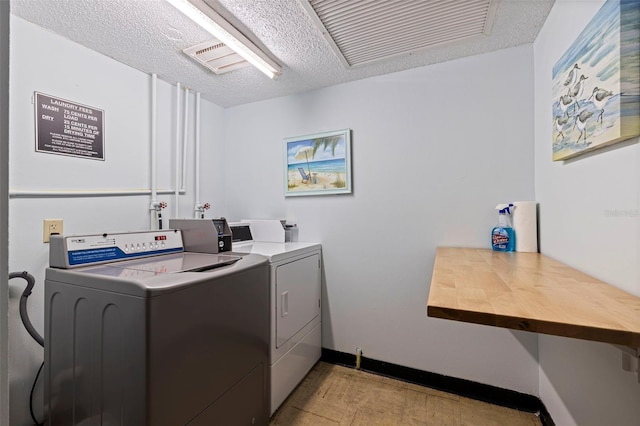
x=502 y=239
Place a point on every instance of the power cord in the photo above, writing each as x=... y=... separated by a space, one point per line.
x=33 y=387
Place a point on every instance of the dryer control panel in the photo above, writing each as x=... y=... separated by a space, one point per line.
x=72 y=251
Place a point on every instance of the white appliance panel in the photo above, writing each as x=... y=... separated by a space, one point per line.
x=286 y=373
x=297 y=296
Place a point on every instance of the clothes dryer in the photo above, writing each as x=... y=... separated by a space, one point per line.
x=295 y=308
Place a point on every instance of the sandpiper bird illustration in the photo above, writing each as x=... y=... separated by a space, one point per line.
x=581 y=122
x=600 y=98
x=572 y=77
x=565 y=103
x=577 y=90
x=560 y=121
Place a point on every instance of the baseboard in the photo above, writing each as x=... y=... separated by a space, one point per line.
x=467 y=388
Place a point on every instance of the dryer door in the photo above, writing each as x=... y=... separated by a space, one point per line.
x=297 y=296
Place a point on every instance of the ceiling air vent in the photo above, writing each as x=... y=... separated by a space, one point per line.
x=216 y=56
x=365 y=31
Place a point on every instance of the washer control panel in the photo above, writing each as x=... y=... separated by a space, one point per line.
x=72 y=251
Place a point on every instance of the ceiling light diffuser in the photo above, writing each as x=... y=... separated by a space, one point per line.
x=200 y=13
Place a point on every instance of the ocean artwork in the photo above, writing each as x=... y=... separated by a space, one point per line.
x=318 y=164
x=596 y=83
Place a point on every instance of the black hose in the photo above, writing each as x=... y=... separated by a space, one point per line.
x=24 y=316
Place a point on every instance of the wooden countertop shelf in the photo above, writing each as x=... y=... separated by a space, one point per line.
x=531 y=292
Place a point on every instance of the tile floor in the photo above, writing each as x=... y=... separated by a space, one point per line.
x=336 y=395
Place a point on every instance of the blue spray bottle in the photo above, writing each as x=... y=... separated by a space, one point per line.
x=503 y=238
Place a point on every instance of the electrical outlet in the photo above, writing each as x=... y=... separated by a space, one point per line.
x=51 y=226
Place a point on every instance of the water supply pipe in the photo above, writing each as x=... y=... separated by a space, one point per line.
x=153 y=212
x=198 y=208
x=75 y=193
x=177 y=171
x=185 y=139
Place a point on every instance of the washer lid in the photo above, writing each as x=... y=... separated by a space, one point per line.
x=180 y=262
x=158 y=275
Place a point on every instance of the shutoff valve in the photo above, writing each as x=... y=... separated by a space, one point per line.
x=199 y=210
x=158 y=205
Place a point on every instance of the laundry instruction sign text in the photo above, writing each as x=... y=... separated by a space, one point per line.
x=68 y=128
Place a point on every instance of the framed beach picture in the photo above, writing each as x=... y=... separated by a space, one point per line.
x=596 y=83
x=318 y=164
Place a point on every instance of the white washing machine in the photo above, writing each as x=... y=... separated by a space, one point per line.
x=295 y=303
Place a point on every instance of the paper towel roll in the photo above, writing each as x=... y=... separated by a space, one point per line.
x=525 y=225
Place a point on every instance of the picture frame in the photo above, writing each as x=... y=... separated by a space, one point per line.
x=318 y=164
x=596 y=85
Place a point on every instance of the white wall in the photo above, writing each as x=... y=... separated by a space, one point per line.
x=4 y=210
x=212 y=161
x=582 y=382
x=44 y=62
x=434 y=150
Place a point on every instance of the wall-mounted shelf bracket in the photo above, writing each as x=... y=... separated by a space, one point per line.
x=630 y=359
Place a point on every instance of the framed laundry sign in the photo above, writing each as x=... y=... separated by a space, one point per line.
x=318 y=164
x=68 y=128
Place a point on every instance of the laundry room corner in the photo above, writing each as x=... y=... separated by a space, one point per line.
x=423 y=173
x=109 y=194
x=584 y=382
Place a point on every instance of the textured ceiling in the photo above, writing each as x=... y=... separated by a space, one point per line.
x=149 y=35
x=366 y=31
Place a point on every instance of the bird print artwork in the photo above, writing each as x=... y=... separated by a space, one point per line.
x=595 y=89
x=572 y=77
x=565 y=102
x=581 y=124
x=599 y=97
x=561 y=121
x=577 y=90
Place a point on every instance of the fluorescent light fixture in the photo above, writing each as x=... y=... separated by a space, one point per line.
x=200 y=13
